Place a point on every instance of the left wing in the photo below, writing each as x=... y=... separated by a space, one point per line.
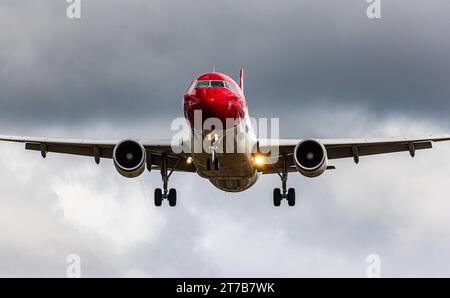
x=350 y=148
x=104 y=149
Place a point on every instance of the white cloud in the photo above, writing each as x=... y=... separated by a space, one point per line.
x=391 y=205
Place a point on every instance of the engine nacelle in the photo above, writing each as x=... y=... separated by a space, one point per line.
x=129 y=158
x=310 y=158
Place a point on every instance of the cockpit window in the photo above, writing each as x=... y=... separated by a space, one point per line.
x=191 y=87
x=202 y=84
x=230 y=86
x=215 y=84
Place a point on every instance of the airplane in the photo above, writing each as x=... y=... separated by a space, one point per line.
x=218 y=96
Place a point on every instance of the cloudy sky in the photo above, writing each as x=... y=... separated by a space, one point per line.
x=322 y=67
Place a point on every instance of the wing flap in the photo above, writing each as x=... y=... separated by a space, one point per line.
x=83 y=150
x=345 y=151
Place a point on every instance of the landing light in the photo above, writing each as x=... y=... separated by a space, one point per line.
x=189 y=160
x=259 y=160
x=212 y=136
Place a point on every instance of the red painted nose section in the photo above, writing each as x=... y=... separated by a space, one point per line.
x=217 y=103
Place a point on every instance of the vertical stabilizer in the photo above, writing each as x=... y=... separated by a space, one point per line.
x=241 y=79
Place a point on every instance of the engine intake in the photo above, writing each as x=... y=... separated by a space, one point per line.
x=310 y=158
x=129 y=158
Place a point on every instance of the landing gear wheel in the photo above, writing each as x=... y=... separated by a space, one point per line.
x=277 y=197
x=158 y=197
x=291 y=197
x=216 y=164
x=172 y=197
x=212 y=166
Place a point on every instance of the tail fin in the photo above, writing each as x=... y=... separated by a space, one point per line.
x=241 y=79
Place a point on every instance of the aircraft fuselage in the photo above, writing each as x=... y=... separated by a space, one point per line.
x=217 y=97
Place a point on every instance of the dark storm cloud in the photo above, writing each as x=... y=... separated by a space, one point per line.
x=132 y=60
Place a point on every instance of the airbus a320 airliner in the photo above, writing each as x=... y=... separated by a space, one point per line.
x=218 y=96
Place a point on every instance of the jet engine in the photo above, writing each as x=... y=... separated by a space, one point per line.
x=310 y=158
x=129 y=158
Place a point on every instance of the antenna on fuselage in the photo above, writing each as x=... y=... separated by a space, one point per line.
x=214 y=69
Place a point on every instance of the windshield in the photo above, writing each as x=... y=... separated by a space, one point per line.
x=230 y=87
x=215 y=84
x=202 y=84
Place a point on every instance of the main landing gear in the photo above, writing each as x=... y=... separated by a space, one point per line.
x=161 y=194
x=284 y=193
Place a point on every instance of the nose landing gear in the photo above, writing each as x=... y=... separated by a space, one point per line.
x=212 y=164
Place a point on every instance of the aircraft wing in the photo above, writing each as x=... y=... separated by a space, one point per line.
x=336 y=149
x=349 y=148
x=99 y=149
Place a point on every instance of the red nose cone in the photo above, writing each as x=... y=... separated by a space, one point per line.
x=214 y=106
x=219 y=103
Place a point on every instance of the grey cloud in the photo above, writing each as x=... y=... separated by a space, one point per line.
x=320 y=66
x=392 y=205
x=127 y=61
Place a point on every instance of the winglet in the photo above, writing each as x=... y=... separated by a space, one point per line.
x=241 y=79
